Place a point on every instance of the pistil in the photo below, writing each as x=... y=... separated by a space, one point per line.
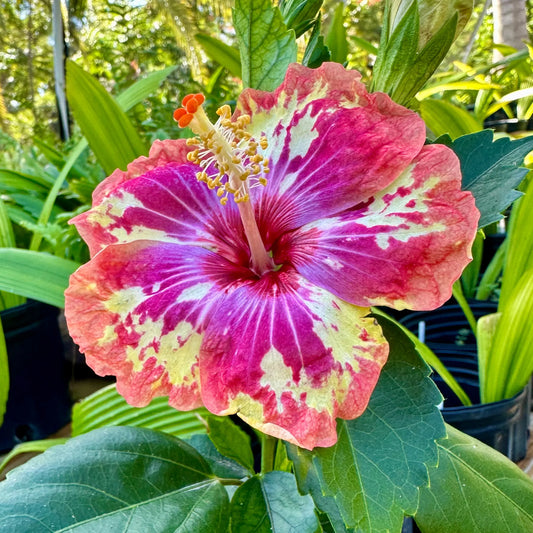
x=230 y=164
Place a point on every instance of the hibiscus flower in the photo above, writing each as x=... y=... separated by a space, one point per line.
x=235 y=270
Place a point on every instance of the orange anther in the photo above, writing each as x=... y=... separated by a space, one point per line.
x=191 y=106
x=200 y=98
x=185 y=120
x=186 y=99
x=180 y=112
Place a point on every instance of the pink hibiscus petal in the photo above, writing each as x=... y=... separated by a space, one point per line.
x=165 y=204
x=161 y=153
x=404 y=248
x=138 y=311
x=331 y=145
x=289 y=358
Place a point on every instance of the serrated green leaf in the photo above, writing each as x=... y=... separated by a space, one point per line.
x=271 y=503
x=373 y=473
x=106 y=407
x=221 y=465
x=492 y=170
x=267 y=47
x=336 y=40
x=223 y=54
x=114 y=479
x=442 y=118
x=109 y=132
x=36 y=275
x=231 y=441
x=474 y=489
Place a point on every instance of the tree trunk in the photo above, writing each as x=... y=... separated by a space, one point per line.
x=510 y=23
x=59 y=68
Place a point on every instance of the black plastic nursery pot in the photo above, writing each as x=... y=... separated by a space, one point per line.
x=502 y=425
x=446 y=328
x=39 y=402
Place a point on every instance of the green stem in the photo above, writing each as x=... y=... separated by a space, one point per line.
x=461 y=300
x=268 y=451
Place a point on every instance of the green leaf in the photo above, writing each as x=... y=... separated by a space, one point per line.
x=110 y=134
x=36 y=275
x=425 y=63
x=267 y=47
x=11 y=179
x=373 y=473
x=492 y=170
x=474 y=489
x=316 y=52
x=106 y=407
x=336 y=40
x=470 y=276
x=114 y=479
x=34 y=446
x=218 y=51
x=398 y=54
x=231 y=441
x=299 y=15
x=4 y=375
x=445 y=118
x=142 y=88
x=271 y=503
x=221 y=465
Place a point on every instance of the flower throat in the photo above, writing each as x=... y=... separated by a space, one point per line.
x=230 y=164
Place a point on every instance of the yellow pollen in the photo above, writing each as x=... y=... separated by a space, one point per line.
x=230 y=158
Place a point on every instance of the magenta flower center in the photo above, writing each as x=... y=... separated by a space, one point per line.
x=231 y=163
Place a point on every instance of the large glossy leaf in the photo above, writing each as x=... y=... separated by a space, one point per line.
x=373 y=473
x=114 y=479
x=492 y=170
x=36 y=275
x=106 y=127
x=106 y=407
x=267 y=47
x=271 y=503
x=474 y=489
x=223 y=54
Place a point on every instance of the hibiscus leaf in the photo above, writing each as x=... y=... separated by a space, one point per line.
x=474 y=489
x=230 y=440
x=267 y=47
x=370 y=478
x=221 y=465
x=272 y=503
x=492 y=170
x=135 y=480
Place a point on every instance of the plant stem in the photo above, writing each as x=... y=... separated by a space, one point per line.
x=268 y=451
x=461 y=300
